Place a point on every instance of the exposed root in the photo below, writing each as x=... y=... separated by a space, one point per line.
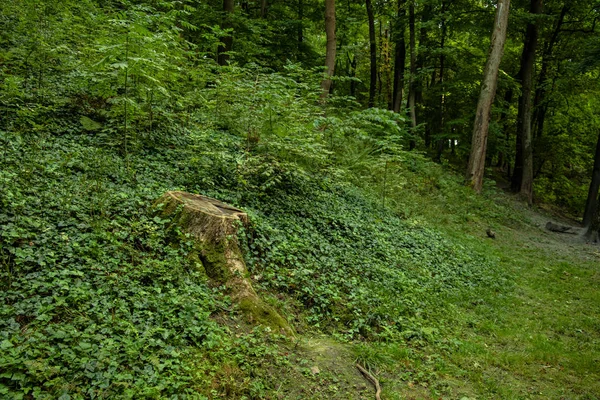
x=371 y=379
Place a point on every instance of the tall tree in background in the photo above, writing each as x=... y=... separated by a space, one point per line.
x=420 y=83
x=412 y=86
x=592 y=199
x=372 y=52
x=331 y=44
x=399 y=57
x=540 y=104
x=227 y=41
x=263 y=8
x=524 y=132
x=440 y=117
x=476 y=166
x=591 y=214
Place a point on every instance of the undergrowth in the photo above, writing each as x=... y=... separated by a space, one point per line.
x=97 y=302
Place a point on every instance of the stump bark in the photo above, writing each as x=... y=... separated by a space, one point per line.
x=213 y=225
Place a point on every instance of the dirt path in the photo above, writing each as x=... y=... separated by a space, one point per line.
x=533 y=232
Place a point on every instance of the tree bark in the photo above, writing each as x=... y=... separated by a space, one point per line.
x=399 y=58
x=225 y=48
x=263 y=8
x=594 y=228
x=413 y=66
x=441 y=142
x=476 y=167
x=590 y=204
x=539 y=104
x=373 y=53
x=386 y=56
x=528 y=67
x=353 y=65
x=426 y=15
x=331 y=45
x=212 y=225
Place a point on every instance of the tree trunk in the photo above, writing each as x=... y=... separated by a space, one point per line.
x=212 y=226
x=399 y=58
x=413 y=66
x=225 y=48
x=441 y=142
x=590 y=204
x=426 y=15
x=476 y=167
x=353 y=64
x=594 y=228
x=263 y=8
x=331 y=45
x=539 y=104
x=386 y=55
x=373 y=53
x=528 y=67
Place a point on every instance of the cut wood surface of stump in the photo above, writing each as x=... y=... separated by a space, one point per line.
x=213 y=225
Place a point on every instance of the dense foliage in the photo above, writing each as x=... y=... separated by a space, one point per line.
x=104 y=105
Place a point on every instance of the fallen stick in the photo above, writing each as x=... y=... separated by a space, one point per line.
x=371 y=379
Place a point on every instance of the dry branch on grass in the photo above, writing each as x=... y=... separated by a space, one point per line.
x=371 y=379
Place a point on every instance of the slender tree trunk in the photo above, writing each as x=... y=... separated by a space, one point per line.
x=528 y=67
x=413 y=62
x=539 y=104
x=419 y=65
x=387 y=67
x=225 y=48
x=373 y=53
x=590 y=204
x=441 y=142
x=263 y=8
x=476 y=167
x=379 y=58
x=399 y=58
x=331 y=45
x=352 y=75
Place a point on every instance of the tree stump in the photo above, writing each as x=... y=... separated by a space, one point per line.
x=213 y=226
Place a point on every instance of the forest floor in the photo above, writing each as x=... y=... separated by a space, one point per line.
x=540 y=341
x=414 y=291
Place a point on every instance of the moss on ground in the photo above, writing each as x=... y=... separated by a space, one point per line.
x=255 y=310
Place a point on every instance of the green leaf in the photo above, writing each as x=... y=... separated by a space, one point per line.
x=5 y=344
x=89 y=124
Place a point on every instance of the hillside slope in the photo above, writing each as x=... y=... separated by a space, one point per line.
x=100 y=300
